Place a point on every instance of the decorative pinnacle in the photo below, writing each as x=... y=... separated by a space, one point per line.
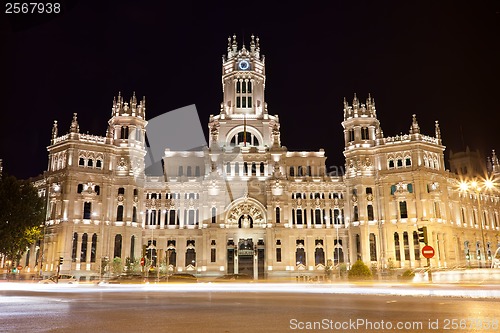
x=438 y=131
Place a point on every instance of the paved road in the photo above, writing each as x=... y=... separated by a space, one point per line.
x=128 y=309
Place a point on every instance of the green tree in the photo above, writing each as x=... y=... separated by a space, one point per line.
x=117 y=266
x=21 y=214
x=359 y=271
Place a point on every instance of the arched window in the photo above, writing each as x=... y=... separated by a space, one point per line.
x=81 y=161
x=300 y=171
x=397 y=247
x=319 y=256
x=261 y=169
x=117 y=253
x=278 y=215
x=190 y=257
x=93 y=248
x=300 y=256
x=364 y=133
x=228 y=168
x=90 y=163
x=416 y=246
x=132 y=248
x=373 y=247
x=292 y=171
x=74 y=247
x=98 y=164
x=237 y=168
x=356 y=214
x=188 y=171
x=351 y=135
x=83 y=250
x=406 y=244
x=391 y=164
x=134 y=214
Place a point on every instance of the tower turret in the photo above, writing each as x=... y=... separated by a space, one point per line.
x=128 y=121
x=243 y=80
x=361 y=126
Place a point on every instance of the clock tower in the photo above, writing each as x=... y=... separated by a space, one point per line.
x=243 y=119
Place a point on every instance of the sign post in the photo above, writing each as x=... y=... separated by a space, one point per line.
x=428 y=252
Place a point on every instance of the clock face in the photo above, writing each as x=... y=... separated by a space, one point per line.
x=243 y=65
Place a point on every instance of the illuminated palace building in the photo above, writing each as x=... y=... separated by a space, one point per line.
x=245 y=204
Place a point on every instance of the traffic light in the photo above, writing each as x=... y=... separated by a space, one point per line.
x=422 y=235
x=61 y=259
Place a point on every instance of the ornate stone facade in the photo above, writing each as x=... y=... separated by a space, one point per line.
x=247 y=204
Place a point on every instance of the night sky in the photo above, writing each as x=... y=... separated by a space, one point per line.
x=440 y=61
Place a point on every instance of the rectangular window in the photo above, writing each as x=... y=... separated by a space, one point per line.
x=214 y=215
x=172 y=217
x=278 y=215
x=299 y=216
x=317 y=216
x=437 y=210
x=238 y=102
x=191 y=217
x=213 y=257
x=87 y=210
x=278 y=254
x=249 y=101
x=403 y=211
x=369 y=209
x=243 y=102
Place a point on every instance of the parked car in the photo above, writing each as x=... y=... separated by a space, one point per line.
x=63 y=278
x=234 y=278
x=179 y=277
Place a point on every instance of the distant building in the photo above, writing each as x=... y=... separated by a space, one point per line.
x=246 y=204
x=468 y=163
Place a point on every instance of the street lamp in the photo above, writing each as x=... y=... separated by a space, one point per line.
x=477 y=188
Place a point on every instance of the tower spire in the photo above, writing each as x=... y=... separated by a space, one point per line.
x=235 y=45
x=74 y=128
x=414 y=128
x=54 y=130
x=438 y=131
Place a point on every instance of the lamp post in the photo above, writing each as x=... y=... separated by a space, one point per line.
x=488 y=184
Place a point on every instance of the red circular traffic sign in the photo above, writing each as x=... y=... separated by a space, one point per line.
x=19 y=267
x=428 y=251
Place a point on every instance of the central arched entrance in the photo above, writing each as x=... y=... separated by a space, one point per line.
x=245 y=245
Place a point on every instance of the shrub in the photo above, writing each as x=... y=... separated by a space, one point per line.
x=408 y=275
x=359 y=271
